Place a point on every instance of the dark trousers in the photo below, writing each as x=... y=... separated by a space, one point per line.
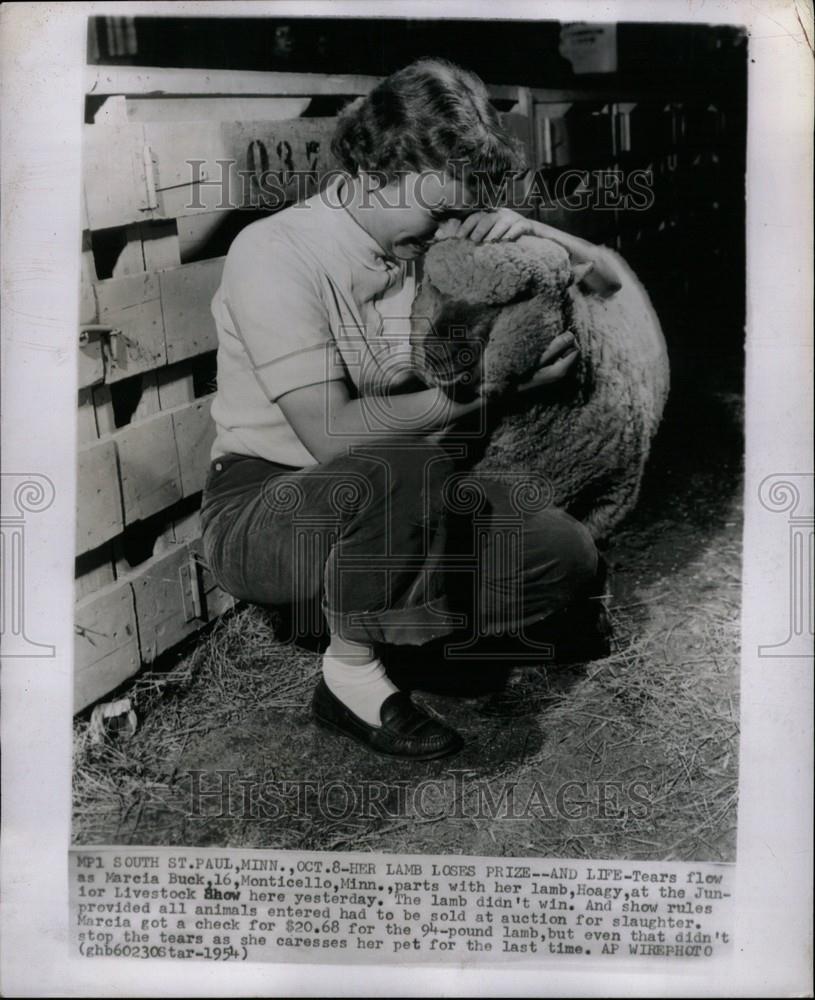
x=393 y=543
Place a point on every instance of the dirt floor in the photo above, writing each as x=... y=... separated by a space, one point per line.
x=633 y=755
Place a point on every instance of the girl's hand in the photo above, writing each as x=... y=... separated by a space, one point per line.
x=487 y=227
x=556 y=362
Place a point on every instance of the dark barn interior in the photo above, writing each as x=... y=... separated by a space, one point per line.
x=669 y=691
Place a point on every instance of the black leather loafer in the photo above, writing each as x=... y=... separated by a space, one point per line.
x=406 y=730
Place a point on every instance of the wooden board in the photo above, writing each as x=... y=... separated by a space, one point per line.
x=93 y=572
x=90 y=362
x=163 y=318
x=87 y=299
x=132 y=620
x=160 y=246
x=165 y=604
x=176 y=385
x=106 y=648
x=148 y=461
x=187 y=529
x=103 y=410
x=159 y=80
x=85 y=418
x=194 y=435
x=186 y=295
x=114 y=175
x=132 y=305
x=98 y=496
x=212 y=109
x=148 y=403
x=215 y=601
x=207 y=167
x=142 y=468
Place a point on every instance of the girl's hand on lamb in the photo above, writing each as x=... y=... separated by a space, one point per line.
x=556 y=362
x=488 y=227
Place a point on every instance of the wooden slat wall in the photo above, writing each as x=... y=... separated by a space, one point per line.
x=147 y=342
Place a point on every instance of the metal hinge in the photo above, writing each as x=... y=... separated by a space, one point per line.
x=113 y=341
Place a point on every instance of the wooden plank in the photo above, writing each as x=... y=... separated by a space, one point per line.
x=165 y=603
x=176 y=385
x=552 y=134
x=148 y=462
x=175 y=595
x=87 y=279
x=194 y=434
x=165 y=81
x=144 y=458
x=132 y=305
x=103 y=410
x=207 y=167
x=114 y=175
x=91 y=363
x=148 y=610
x=106 y=650
x=187 y=529
x=85 y=418
x=160 y=246
x=158 y=80
x=162 y=318
x=93 y=572
x=207 y=235
x=113 y=111
x=148 y=403
x=99 y=504
x=215 y=601
x=131 y=258
x=186 y=294
x=212 y=109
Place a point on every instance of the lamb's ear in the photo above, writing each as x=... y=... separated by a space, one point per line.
x=480 y=273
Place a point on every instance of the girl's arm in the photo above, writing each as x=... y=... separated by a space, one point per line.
x=602 y=275
x=328 y=420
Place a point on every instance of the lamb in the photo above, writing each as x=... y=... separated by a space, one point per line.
x=482 y=318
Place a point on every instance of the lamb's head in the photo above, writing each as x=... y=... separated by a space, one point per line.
x=485 y=312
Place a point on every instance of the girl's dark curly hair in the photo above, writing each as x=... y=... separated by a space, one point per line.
x=428 y=116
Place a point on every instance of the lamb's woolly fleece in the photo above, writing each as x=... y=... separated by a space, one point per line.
x=586 y=439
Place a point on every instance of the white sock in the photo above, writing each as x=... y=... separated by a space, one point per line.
x=361 y=686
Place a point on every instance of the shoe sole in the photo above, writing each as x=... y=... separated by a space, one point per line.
x=430 y=755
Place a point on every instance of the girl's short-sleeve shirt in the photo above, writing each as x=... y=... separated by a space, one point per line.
x=307 y=296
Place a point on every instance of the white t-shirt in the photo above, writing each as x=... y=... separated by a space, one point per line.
x=307 y=296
